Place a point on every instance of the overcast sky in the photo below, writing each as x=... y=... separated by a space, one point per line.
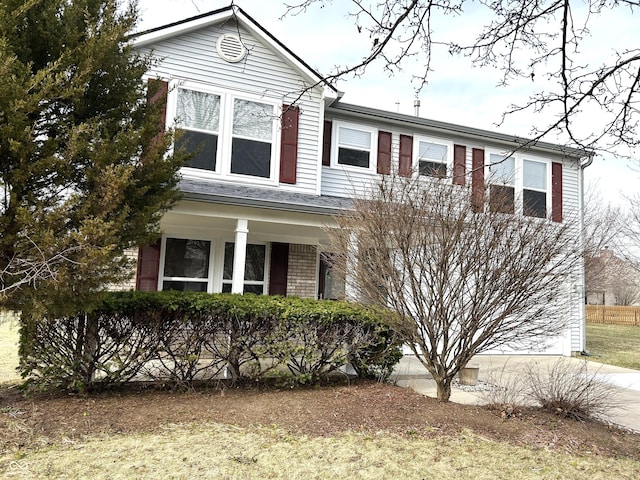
x=457 y=93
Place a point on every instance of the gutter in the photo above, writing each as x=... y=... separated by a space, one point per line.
x=584 y=163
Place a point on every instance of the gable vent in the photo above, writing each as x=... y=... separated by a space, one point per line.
x=230 y=48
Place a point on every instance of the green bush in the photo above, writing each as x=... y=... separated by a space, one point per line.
x=183 y=337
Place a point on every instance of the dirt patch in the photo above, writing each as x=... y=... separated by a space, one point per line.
x=323 y=411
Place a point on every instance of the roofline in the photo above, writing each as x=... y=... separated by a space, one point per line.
x=257 y=203
x=214 y=16
x=445 y=127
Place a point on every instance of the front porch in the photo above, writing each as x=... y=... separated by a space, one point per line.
x=215 y=247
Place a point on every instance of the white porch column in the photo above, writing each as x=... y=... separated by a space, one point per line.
x=239 y=256
x=352 y=267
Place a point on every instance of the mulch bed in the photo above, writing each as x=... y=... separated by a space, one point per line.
x=42 y=419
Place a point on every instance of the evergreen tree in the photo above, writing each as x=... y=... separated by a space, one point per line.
x=84 y=170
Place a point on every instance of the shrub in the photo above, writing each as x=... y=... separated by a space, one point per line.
x=508 y=390
x=181 y=337
x=568 y=389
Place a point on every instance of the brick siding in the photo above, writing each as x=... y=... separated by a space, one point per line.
x=303 y=276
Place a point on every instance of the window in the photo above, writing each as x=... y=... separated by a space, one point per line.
x=502 y=181
x=518 y=185
x=199 y=119
x=253 y=269
x=229 y=134
x=186 y=264
x=252 y=137
x=534 y=188
x=433 y=158
x=355 y=146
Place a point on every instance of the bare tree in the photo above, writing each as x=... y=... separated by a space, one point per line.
x=544 y=41
x=459 y=281
x=604 y=225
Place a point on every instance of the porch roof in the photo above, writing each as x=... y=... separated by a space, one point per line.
x=249 y=196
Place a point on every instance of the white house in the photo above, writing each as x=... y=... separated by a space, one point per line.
x=281 y=154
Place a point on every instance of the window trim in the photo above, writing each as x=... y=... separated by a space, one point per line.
x=172 y=119
x=215 y=273
x=266 y=268
x=225 y=132
x=163 y=255
x=416 y=155
x=518 y=184
x=373 y=148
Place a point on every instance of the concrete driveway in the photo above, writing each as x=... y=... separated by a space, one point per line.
x=505 y=369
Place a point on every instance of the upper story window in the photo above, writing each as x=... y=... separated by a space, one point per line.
x=355 y=146
x=232 y=134
x=534 y=188
x=432 y=157
x=502 y=183
x=519 y=185
x=252 y=138
x=199 y=120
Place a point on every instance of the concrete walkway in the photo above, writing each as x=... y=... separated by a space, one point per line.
x=506 y=370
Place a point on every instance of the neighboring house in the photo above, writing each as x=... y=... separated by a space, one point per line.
x=281 y=155
x=611 y=280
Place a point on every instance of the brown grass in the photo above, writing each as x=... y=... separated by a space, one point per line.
x=8 y=351
x=227 y=452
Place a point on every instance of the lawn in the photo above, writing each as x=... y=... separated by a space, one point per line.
x=368 y=431
x=8 y=351
x=614 y=344
x=228 y=452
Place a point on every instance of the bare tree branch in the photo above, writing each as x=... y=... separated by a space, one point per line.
x=591 y=106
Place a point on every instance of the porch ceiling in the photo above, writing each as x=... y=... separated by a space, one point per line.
x=260 y=229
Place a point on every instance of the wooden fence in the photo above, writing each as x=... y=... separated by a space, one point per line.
x=613 y=315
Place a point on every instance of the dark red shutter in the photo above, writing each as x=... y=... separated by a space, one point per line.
x=406 y=154
x=326 y=143
x=279 y=269
x=384 y=153
x=148 y=267
x=157 y=92
x=289 y=143
x=459 y=164
x=556 y=192
x=477 y=179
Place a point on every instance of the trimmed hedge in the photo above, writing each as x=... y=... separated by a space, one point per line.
x=182 y=337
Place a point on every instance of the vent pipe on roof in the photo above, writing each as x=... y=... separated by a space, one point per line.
x=416 y=107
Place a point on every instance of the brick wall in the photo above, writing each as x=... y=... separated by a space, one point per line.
x=303 y=275
x=130 y=283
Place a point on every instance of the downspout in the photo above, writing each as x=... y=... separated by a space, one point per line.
x=584 y=163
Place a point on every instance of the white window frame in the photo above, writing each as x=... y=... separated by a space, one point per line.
x=267 y=266
x=519 y=159
x=373 y=149
x=225 y=133
x=163 y=255
x=215 y=273
x=416 y=155
x=546 y=189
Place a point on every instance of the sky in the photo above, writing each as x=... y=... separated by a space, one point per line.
x=457 y=92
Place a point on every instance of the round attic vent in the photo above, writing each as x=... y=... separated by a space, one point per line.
x=231 y=48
